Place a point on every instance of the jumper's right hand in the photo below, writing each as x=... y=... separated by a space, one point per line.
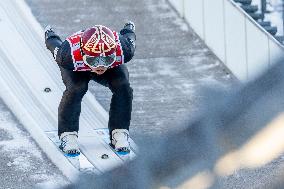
x=47 y=31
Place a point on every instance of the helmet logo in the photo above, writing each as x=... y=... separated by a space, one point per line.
x=100 y=42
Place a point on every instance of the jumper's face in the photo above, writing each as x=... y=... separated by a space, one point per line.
x=99 y=70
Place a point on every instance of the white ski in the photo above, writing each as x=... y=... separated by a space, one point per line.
x=104 y=134
x=96 y=153
x=80 y=162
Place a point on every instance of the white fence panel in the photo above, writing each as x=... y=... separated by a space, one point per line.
x=257 y=50
x=275 y=51
x=193 y=13
x=232 y=35
x=235 y=41
x=214 y=27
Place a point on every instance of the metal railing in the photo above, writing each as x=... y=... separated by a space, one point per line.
x=267 y=13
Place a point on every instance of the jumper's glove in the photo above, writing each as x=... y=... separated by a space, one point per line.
x=128 y=32
x=129 y=25
x=49 y=32
x=52 y=40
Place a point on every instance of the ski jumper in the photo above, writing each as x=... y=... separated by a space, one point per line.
x=76 y=76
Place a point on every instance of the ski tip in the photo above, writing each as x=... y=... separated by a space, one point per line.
x=122 y=153
x=72 y=155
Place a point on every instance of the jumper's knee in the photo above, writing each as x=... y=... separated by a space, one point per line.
x=123 y=89
x=77 y=91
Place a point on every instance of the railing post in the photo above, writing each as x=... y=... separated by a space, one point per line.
x=283 y=17
x=263 y=6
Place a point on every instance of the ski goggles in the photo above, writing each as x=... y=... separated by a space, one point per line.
x=96 y=61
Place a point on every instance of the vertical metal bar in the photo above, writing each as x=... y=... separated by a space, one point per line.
x=203 y=20
x=263 y=6
x=282 y=18
x=246 y=49
x=225 y=36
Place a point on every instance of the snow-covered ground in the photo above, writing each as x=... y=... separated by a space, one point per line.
x=22 y=163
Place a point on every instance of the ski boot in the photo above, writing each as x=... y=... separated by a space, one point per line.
x=69 y=144
x=119 y=141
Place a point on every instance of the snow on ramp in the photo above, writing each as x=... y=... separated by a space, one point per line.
x=31 y=85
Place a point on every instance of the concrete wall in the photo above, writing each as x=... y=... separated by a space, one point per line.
x=244 y=47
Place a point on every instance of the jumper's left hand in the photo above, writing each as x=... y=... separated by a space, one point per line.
x=129 y=25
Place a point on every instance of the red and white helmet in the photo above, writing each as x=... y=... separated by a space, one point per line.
x=98 y=46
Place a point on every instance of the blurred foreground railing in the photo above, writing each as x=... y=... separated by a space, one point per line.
x=241 y=129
